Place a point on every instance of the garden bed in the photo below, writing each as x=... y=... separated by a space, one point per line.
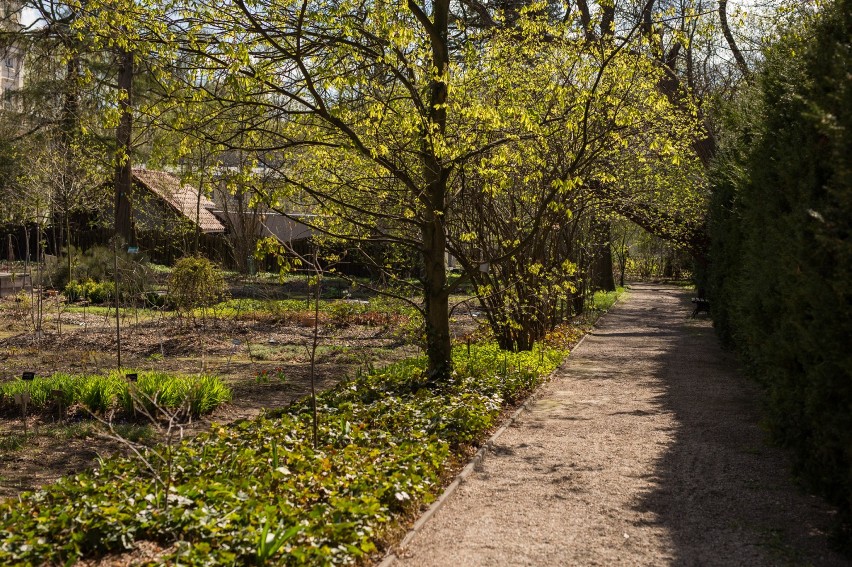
x=259 y=491
x=258 y=347
x=150 y=394
x=386 y=425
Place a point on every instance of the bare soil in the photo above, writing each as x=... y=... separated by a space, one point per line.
x=645 y=449
x=240 y=350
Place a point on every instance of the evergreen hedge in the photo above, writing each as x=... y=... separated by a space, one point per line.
x=781 y=275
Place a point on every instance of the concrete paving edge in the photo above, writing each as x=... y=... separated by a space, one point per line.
x=474 y=463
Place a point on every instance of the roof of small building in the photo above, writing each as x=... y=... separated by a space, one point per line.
x=182 y=198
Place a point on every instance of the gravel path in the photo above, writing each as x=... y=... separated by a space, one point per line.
x=644 y=449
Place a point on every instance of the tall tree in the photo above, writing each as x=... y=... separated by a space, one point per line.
x=373 y=112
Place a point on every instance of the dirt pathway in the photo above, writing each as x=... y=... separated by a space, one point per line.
x=644 y=450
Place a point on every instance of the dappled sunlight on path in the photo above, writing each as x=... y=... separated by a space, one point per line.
x=643 y=450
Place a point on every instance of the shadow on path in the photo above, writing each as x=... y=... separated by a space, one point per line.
x=643 y=450
x=719 y=490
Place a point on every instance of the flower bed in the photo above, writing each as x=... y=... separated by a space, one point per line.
x=259 y=492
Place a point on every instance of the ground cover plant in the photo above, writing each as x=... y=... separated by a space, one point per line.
x=258 y=491
x=99 y=394
x=377 y=311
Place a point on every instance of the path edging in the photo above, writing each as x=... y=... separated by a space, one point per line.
x=478 y=458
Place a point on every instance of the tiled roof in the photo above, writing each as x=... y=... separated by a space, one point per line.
x=182 y=198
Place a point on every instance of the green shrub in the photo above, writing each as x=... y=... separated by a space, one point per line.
x=195 y=282
x=154 y=299
x=73 y=291
x=781 y=269
x=90 y=290
x=99 y=292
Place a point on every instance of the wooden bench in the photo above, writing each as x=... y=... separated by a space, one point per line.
x=701 y=304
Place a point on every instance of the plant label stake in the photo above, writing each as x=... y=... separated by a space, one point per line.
x=28 y=376
x=22 y=399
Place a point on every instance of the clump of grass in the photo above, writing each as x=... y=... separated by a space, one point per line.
x=198 y=394
x=99 y=394
x=12 y=442
x=206 y=394
x=40 y=391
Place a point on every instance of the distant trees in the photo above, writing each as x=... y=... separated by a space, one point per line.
x=76 y=105
x=44 y=124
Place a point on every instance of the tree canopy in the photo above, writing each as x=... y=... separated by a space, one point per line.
x=507 y=136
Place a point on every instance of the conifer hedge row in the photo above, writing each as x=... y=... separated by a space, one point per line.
x=781 y=275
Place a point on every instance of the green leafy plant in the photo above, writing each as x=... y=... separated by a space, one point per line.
x=12 y=442
x=265 y=376
x=100 y=394
x=73 y=291
x=153 y=390
x=95 y=292
x=270 y=541
x=384 y=440
x=195 y=282
x=205 y=395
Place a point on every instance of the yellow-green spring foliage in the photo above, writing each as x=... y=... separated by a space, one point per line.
x=99 y=394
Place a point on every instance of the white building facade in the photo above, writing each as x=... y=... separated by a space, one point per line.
x=11 y=57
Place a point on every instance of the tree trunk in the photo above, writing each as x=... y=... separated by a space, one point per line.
x=729 y=37
x=123 y=172
x=434 y=244
x=438 y=345
x=602 y=263
x=197 y=243
x=68 y=247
